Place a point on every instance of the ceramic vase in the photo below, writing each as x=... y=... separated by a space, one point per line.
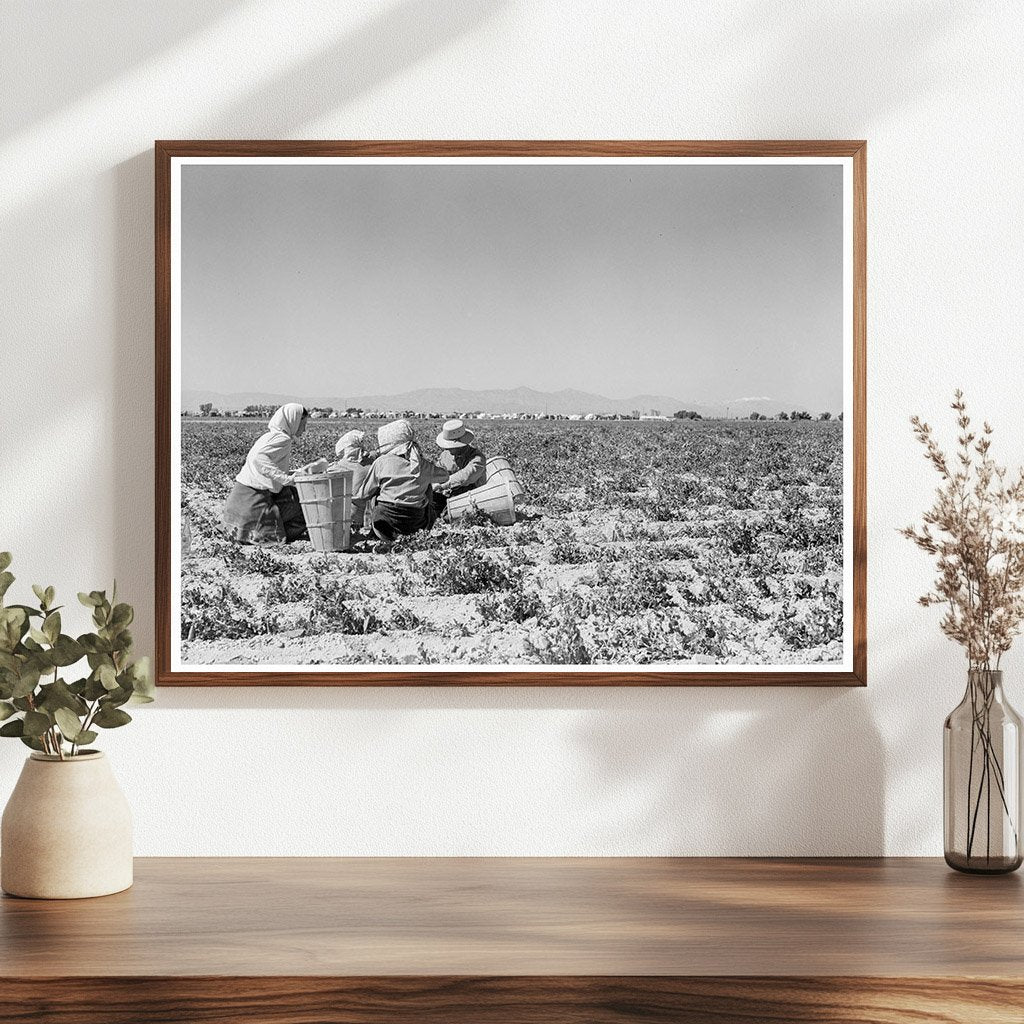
x=66 y=831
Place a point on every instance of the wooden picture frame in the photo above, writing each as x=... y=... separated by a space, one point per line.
x=851 y=155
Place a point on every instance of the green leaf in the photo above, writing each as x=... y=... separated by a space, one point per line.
x=107 y=676
x=66 y=651
x=27 y=682
x=94 y=689
x=86 y=736
x=38 y=635
x=122 y=616
x=13 y=728
x=51 y=626
x=50 y=595
x=69 y=724
x=109 y=718
x=9 y=663
x=89 y=600
x=6 y=710
x=59 y=695
x=6 y=579
x=36 y=723
x=142 y=681
x=40 y=593
x=29 y=611
x=13 y=623
x=115 y=698
x=31 y=741
x=94 y=644
x=5 y=559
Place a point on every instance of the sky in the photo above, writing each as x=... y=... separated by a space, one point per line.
x=702 y=283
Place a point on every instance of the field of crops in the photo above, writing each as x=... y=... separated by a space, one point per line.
x=641 y=543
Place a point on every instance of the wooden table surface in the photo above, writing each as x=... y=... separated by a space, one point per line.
x=509 y=939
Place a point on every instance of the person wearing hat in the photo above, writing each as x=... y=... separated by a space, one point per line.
x=464 y=464
x=397 y=488
x=355 y=458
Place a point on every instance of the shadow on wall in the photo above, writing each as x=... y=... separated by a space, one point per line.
x=395 y=39
x=845 y=65
x=738 y=771
x=86 y=29
x=384 y=46
x=687 y=771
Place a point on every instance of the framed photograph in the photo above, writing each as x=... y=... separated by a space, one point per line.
x=492 y=413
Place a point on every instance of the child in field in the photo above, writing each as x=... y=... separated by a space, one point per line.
x=263 y=503
x=398 y=486
x=354 y=458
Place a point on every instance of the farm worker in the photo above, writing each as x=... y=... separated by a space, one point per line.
x=463 y=464
x=353 y=457
x=397 y=487
x=263 y=500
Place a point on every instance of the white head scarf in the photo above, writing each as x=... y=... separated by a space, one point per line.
x=288 y=418
x=351 y=446
x=398 y=439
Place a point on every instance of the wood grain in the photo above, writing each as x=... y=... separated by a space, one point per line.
x=284 y=941
x=165 y=150
x=528 y=916
x=596 y=1000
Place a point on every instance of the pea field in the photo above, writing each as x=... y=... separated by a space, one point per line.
x=680 y=542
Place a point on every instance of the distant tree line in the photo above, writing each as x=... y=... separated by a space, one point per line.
x=794 y=415
x=264 y=412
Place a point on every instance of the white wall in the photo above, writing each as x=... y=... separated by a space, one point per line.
x=936 y=88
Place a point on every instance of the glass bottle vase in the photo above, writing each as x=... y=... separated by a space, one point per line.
x=981 y=771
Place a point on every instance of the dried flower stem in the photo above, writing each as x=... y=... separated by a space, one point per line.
x=975 y=531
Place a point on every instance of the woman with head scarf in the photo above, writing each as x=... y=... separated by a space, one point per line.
x=355 y=458
x=398 y=485
x=263 y=502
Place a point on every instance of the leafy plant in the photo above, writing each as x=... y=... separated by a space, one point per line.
x=55 y=716
x=468 y=572
x=515 y=605
x=216 y=610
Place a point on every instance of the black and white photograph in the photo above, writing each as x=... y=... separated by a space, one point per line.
x=511 y=414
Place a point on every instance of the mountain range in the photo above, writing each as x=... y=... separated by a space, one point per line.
x=444 y=401
x=452 y=400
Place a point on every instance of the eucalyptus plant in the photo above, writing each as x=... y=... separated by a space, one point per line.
x=45 y=711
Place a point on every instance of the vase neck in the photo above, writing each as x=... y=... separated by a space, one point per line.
x=986 y=682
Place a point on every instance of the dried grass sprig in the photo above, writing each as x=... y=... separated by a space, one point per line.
x=975 y=530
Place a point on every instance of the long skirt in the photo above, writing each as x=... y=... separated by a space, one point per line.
x=389 y=520
x=254 y=516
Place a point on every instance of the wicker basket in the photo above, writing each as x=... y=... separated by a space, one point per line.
x=499 y=469
x=326 y=500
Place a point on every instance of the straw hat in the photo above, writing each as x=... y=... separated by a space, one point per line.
x=454 y=434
